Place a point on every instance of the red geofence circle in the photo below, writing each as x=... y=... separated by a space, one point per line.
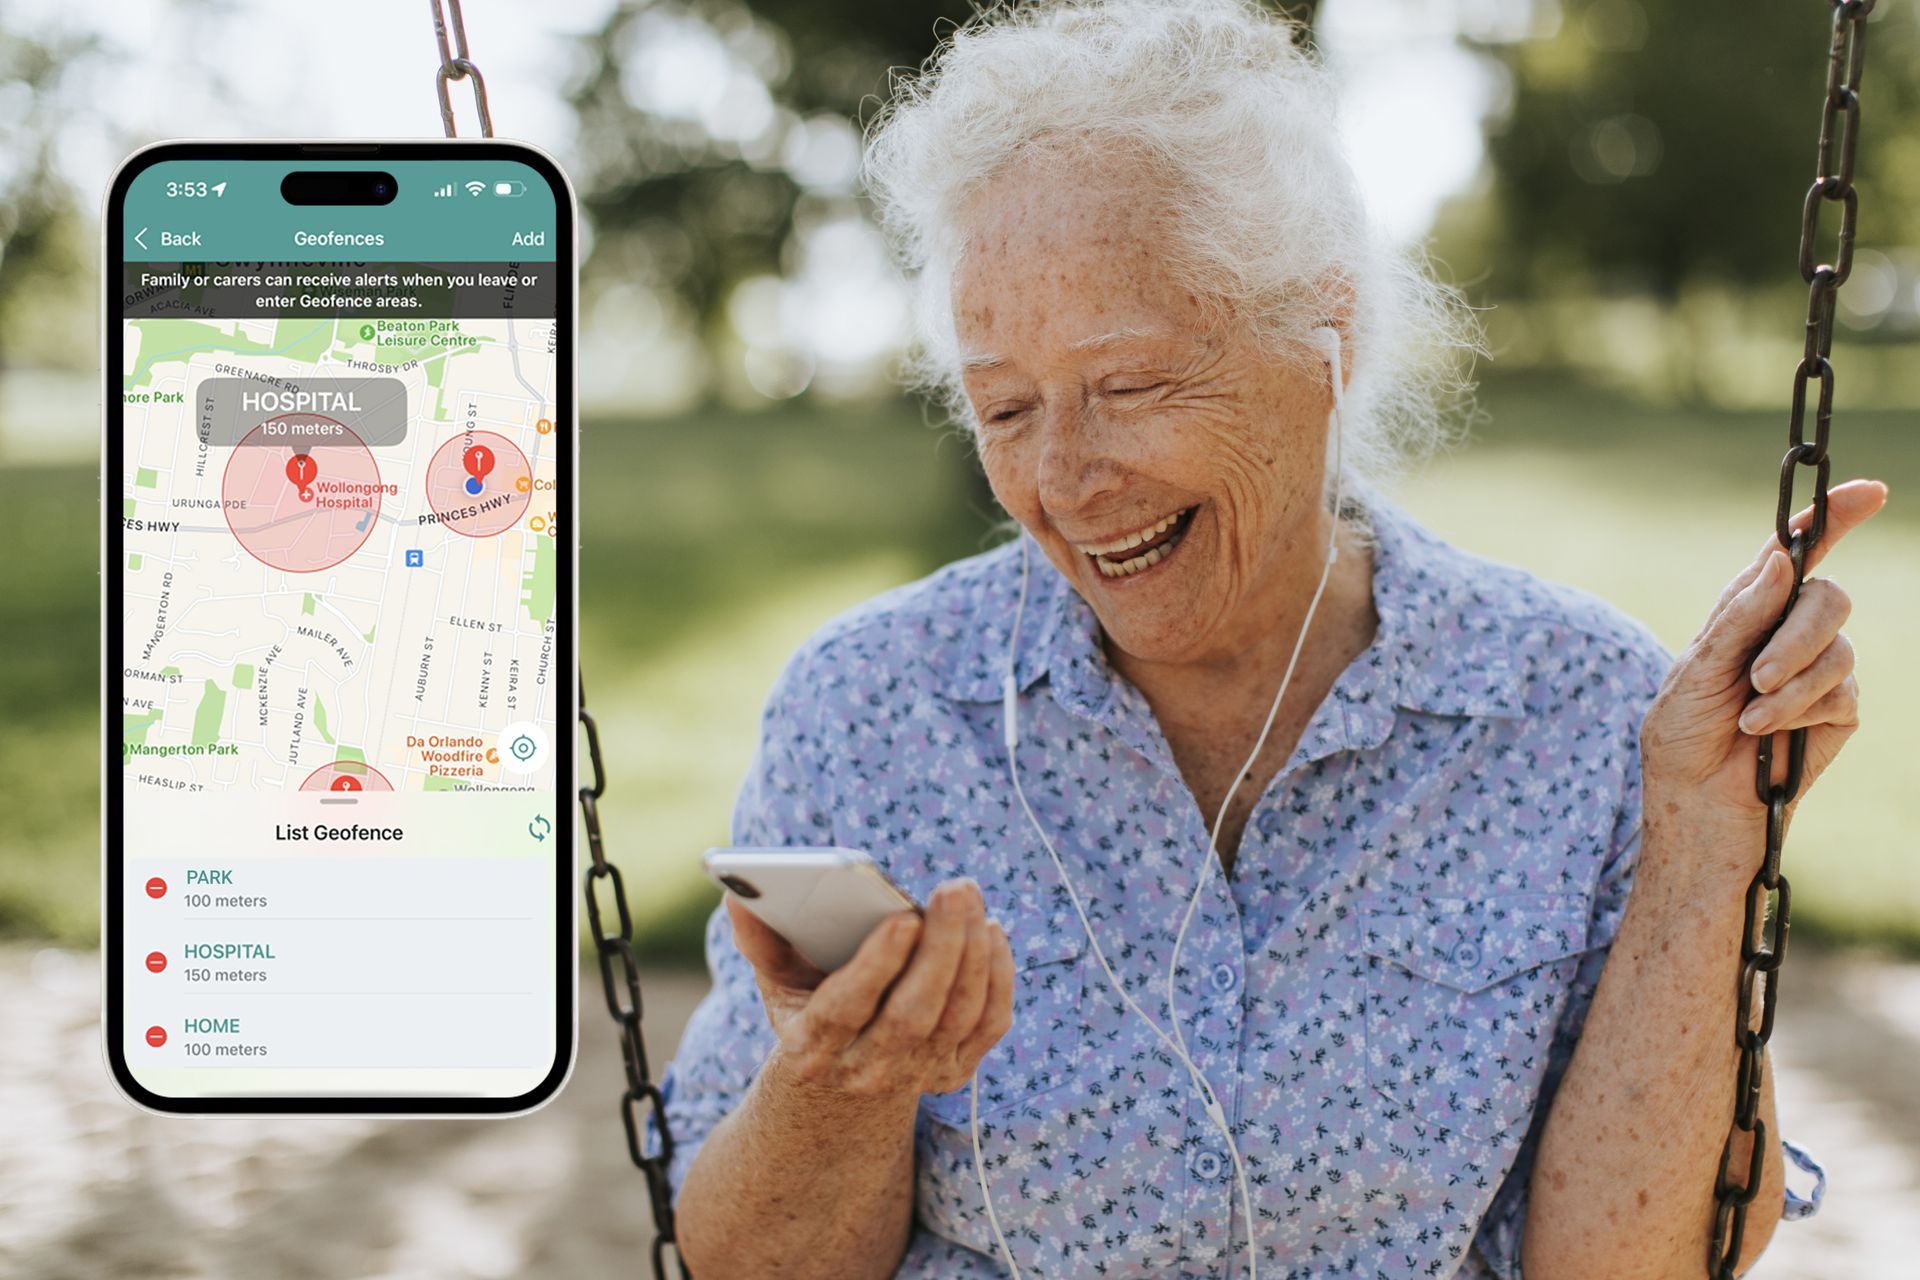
x=509 y=462
x=279 y=453
x=373 y=779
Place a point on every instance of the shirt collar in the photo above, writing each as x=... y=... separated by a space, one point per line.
x=1442 y=645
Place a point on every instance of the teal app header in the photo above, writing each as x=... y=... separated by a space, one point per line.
x=452 y=210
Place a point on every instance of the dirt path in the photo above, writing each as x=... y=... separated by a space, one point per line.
x=92 y=1189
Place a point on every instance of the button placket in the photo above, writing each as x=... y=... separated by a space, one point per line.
x=1210 y=952
x=1210 y=1185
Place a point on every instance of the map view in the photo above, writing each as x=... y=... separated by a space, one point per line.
x=342 y=554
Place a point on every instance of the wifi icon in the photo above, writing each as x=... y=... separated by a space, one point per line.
x=475 y=187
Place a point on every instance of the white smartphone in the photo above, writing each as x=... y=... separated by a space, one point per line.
x=823 y=901
x=340 y=614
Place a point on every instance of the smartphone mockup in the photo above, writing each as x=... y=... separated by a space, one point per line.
x=824 y=901
x=339 y=498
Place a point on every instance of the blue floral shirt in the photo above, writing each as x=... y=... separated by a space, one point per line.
x=1384 y=993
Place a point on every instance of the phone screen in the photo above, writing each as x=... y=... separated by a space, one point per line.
x=339 y=577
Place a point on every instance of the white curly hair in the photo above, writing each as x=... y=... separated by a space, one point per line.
x=1239 y=120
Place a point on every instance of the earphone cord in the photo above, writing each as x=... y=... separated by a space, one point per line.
x=1214 y=1111
x=1175 y=1044
x=1266 y=729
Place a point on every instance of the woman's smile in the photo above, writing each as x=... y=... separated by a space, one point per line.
x=1132 y=554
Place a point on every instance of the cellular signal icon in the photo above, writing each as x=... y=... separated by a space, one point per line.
x=475 y=187
x=444 y=192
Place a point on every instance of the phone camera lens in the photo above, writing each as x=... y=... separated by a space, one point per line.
x=742 y=887
x=382 y=188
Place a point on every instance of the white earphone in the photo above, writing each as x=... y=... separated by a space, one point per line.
x=1327 y=339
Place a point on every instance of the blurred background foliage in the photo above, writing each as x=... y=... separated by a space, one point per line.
x=1618 y=181
x=696 y=202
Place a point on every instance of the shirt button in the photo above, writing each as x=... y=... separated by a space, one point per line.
x=1223 y=977
x=1466 y=955
x=1208 y=1164
x=1270 y=823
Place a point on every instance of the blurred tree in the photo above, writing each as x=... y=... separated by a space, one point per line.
x=1650 y=142
x=51 y=108
x=46 y=264
x=694 y=200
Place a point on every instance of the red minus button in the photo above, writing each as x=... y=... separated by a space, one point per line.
x=156 y=961
x=156 y=888
x=156 y=1036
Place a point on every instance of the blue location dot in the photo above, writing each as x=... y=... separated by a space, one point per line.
x=473 y=484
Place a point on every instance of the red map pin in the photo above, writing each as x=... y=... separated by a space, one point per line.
x=345 y=783
x=156 y=1036
x=301 y=469
x=156 y=888
x=478 y=460
x=156 y=961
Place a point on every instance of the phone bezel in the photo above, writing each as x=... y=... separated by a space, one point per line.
x=112 y=584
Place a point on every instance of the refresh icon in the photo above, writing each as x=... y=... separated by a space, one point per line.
x=539 y=827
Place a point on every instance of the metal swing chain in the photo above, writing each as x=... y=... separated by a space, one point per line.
x=641 y=1090
x=642 y=1096
x=456 y=64
x=1760 y=959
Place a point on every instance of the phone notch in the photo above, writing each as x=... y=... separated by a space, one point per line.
x=339 y=186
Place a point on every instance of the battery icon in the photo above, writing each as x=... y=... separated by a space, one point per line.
x=515 y=188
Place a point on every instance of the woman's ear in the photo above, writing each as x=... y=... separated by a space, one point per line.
x=1334 y=295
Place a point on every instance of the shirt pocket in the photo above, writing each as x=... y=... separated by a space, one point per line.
x=1462 y=999
x=1040 y=1049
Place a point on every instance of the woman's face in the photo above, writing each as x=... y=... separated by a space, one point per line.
x=1168 y=467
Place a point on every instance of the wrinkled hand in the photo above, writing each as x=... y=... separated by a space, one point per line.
x=1697 y=752
x=913 y=1012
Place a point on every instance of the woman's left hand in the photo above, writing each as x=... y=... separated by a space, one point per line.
x=1696 y=742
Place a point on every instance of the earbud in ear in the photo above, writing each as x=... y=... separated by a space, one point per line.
x=1327 y=339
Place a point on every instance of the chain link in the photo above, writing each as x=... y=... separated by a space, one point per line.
x=1763 y=942
x=455 y=64
x=642 y=1100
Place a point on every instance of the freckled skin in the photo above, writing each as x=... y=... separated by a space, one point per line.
x=1084 y=443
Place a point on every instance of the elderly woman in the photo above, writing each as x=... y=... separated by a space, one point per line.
x=1456 y=999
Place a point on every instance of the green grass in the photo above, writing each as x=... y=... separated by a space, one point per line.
x=49 y=688
x=713 y=547
x=714 y=543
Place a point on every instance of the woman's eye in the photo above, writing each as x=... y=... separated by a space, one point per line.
x=1004 y=415
x=1134 y=388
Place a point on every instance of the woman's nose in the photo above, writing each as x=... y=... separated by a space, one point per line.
x=1077 y=465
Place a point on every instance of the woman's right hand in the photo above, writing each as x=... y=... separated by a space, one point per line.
x=913 y=1012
